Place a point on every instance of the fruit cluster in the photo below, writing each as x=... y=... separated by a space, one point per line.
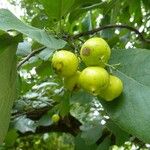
x=95 y=53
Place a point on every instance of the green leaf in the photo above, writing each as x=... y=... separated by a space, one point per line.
x=81 y=97
x=120 y=135
x=91 y=132
x=83 y=7
x=11 y=137
x=7 y=85
x=104 y=145
x=45 y=54
x=32 y=62
x=146 y=4
x=24 y=124
x=24 y=48
x=64 y=105
x=44 y=69
x=25 y=86
x=108 y=33
x=81 y=145
x=2 y=32
x=135 y=10
x=45 y=120
x=56 y=9
x=86 y=22
x=9 y=22
x=42 y=21
x=125 y=15
x=76 y=14
x=110 y=5
x=6 y=40
x=130 y=111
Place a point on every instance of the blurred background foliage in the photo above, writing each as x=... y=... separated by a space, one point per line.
x=40 y=89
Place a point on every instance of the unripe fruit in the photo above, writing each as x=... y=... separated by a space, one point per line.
x=65 y=63
x=113 y=90
x=95 y=52
x=94 y=79
x=72 y=83
x=55 y=118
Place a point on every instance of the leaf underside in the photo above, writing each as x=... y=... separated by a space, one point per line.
x=10 y=22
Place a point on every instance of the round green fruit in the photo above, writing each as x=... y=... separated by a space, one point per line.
x=72 y=83
x=95 y=52
x=94 y=79
x=65 y=63
x=113 y=90
x=55 y=118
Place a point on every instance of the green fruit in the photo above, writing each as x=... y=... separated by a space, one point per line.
x=114 y=89
x=94 y=79
x=65 y=63
x=55 y=118
x=95 y=52
x=72 y=83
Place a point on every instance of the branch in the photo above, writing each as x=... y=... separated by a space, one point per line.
x=33 y=53
x=68 y=124
x=111 y=26
x=33 y=114
x=77 y=36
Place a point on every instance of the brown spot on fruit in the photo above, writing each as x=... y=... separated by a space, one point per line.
x=65 y=63
x=86 y=51
x=95 y=52
x=58 y=67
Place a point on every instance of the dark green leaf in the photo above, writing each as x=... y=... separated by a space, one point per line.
x=120 y=135
x=7 y=85
x=81 y=145
x=64 y=106
x=25 y=86
x=82 y=7
x=91 y=132
x=146 y=4
x=44 y=69
x=42 y=21
x=86 y=22
x=108 y=33
x=6 y=40
x=135 y=10
x=81 y=97
x=130 y=111
x=104 y=145
x=76 y=14
x=109 y=6
x=56 y=9
x=125 y=14
x=11 y=137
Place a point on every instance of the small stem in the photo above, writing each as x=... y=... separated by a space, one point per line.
x=112 y=67
x=33 y=53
